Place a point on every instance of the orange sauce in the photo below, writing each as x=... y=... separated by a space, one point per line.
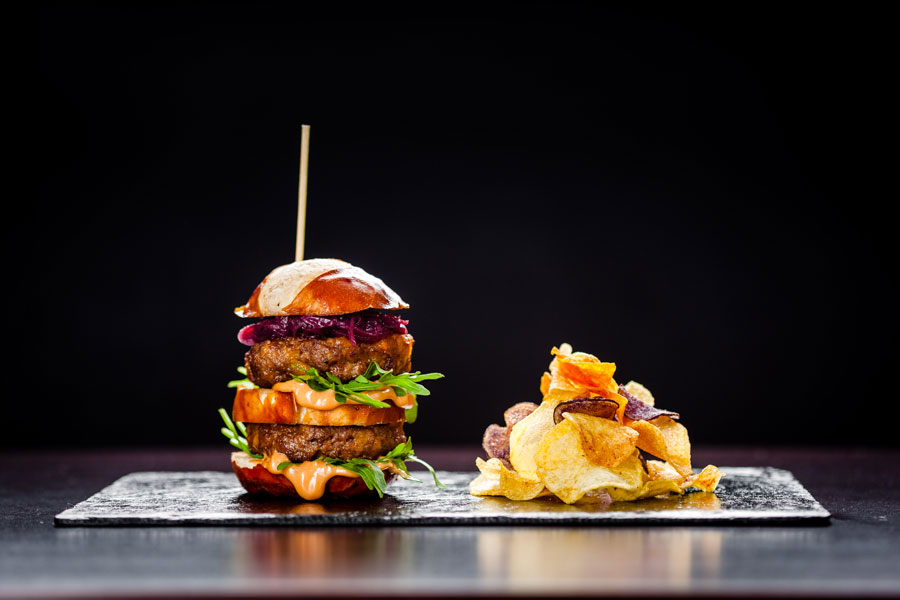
x=308 y=478
x=307 y=397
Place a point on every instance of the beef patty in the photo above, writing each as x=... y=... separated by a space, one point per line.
x=273 y=361
x=308 y=442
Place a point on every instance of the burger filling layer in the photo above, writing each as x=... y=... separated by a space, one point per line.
x=274 y=361
x=308 y=442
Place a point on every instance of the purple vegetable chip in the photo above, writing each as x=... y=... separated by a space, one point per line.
x=496 y=438
x=517 y=412
x=596 y=407
x=641 y=411
x=496 y=442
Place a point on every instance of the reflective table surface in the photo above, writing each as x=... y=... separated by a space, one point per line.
x=857 y=554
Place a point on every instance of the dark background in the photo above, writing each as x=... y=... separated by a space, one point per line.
x=693 y=194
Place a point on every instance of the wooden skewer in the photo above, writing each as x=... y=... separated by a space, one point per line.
x=301 y=194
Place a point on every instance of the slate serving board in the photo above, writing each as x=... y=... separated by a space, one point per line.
x=746 y=495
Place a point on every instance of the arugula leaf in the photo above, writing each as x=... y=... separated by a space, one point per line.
x=374 y=378
x=370 y=472
x=437 y=482
x=234 y=434
x=412 y=413
x=242 y=383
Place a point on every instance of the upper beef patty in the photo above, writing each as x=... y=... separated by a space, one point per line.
x=308 y=442
x=273 y=361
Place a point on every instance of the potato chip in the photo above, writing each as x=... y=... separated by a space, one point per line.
x=648 y=490
x=566 y=471
x=488 y=483
x=497 y=480
x=640 y=392
x=582 y=443
x=516 y=487
x=707 y=479
x=605 y=443
x=678 y=445
x=525 y=439
x=658 y=470
x=650 y=438
x=666 y=439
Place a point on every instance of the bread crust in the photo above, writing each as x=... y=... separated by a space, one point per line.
x=321 y=287
x=262 y=405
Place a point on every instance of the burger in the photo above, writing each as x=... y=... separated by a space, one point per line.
x=328 y=385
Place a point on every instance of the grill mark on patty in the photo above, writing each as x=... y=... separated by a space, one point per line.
x=309 y=442
x=272 y=361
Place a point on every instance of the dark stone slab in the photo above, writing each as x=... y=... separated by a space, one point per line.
x=747 y=495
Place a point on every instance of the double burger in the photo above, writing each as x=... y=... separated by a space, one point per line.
x=328 y=385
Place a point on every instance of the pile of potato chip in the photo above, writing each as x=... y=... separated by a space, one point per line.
x=583 y=442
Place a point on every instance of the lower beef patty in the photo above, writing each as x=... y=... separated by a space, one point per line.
x=273 y=361
x=308 y=442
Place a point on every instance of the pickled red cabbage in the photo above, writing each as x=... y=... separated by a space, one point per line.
x=367 y=327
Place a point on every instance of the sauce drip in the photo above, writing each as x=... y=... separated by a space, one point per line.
x=308 y=478
x=307 y=397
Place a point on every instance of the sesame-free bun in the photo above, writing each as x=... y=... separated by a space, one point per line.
x=320 y=287
x=262 y=405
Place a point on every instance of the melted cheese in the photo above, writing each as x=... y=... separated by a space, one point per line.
x=307 y=397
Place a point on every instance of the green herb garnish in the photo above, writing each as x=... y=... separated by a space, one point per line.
x=370 y=472
x=236 y=435
x=375 y=378
x=242 y=383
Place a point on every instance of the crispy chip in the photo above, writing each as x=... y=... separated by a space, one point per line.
x=707 y=479
x=517 y=412
x=497 y=480
x=666 y=439
x=586 y=371
x=648 y=490
x=563 y=351
x=488 y=483
x=678 y=445
x=566 y=471
x=580 y=453
x=525 y=439
x=658 y=469
x=640 y=392
x=585 y=375
x=605 y=443
x=516 y=487
x=496 y=442
x=595 y=406
x=650 y=438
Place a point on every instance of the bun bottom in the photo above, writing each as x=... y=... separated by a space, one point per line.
x=259 y=482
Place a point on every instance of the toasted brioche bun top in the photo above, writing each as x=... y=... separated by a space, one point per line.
x=322 y=287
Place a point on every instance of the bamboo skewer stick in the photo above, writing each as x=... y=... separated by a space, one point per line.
x=301 y=193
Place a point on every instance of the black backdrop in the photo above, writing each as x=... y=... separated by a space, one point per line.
x=688 y=194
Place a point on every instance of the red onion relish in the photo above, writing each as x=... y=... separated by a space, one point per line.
x=367 y=326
